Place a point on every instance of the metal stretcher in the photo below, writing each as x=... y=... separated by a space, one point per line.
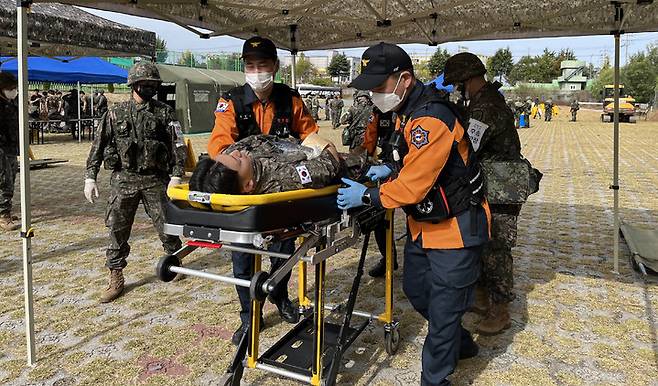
x=312 y=350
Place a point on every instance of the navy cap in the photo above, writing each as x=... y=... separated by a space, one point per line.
x=259 y=47
x=378 y=63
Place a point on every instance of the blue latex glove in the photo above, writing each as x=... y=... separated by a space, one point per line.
x=350 y=197
x=378 y=172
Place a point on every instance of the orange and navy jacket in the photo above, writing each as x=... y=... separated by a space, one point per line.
x=436 y=142
x=371 y=134
x=225 y=132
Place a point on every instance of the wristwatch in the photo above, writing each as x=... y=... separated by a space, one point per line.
x=366 y=199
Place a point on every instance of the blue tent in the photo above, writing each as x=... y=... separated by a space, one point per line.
x=86 y=70
x=438 y=83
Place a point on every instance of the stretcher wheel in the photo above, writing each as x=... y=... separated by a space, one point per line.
x=162 y=269
x=392 y=338
x=226 y=380
x=256 y=287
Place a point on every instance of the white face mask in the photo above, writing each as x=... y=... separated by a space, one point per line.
x=259 y=81
x=388 y=101
x=10 y=94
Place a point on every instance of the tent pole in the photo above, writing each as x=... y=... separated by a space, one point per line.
x=293 y=73
x=91 y=99
x=24 y=139
x=79 y=115
x=615 y=173
x=293 y=52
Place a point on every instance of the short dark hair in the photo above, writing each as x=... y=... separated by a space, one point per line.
x=214 y=177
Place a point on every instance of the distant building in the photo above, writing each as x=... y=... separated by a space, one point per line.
x=321 y=62
x=572 y=78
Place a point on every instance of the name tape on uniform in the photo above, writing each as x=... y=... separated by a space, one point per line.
x=476 y=130
x=304 y=175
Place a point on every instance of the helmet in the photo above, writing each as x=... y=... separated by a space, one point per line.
x=143 y=71
x=462 y=67
x=7 y=81
x=361 y=93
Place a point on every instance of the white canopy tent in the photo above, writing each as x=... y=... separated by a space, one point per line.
x=321 y=24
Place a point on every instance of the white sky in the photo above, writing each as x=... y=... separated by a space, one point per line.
x=591 y=49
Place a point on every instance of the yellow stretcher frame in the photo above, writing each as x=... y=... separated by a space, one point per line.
x=390 y=325
x=237 y=202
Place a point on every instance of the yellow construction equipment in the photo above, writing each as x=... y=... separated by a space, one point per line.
x=626 y=105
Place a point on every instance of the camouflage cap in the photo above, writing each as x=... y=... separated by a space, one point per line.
x=143 y=71
x=462 y=67
x=7 y=81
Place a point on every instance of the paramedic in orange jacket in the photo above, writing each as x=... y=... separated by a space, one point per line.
x=260 y=107
x=439 y=187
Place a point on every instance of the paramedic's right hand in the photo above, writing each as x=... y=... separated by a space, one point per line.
x=378 y=172
x=91 y=189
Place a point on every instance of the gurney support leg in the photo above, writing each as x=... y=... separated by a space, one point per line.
x=254 y=330
x=343 y=341
x=316 y=369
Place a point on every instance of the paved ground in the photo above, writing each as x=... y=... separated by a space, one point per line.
x=574 y=321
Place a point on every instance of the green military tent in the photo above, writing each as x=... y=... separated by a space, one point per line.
x=193 y=93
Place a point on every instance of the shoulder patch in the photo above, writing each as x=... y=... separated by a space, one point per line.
x=304 y=175
x=222 y=105
x=371 y=118
x=420 y=137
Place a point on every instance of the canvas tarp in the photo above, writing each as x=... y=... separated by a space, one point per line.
x=325 y=24
x=642 y=241
x=194 y=93
x=63 y=30
x=59 y=70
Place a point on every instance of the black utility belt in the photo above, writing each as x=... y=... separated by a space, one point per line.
x=434 y=208
x=450 y=199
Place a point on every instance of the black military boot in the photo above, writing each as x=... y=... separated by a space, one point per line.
x=287 y=310
x=468 y=348
x=380 y=268
x=244 y=329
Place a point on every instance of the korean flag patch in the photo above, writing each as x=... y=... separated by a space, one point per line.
x=222 y=106
x=304 y=175
x=420 y=137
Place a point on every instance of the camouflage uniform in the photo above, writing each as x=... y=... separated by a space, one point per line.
x=575 y=106
x=357 y=118
x=499 y=142
x=327 y=109
x=315 y=107
x=336 y=105
x=282 y=165
x=142 y=144
x=8 y=153
x=548 y=110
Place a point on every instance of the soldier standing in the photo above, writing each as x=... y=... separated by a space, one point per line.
x=8 y=148
x=494 y=138
x=356 y=118
x=141 y=142
x=337 y=111
x=575 y=106
x=327 y=108
x=315 y=107
x=548 y=110
x=100 y=103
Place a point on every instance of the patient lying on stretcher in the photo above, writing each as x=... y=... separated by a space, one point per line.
x=262 y=164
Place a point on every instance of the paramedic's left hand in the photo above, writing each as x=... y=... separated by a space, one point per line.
x=378 y=172
x=174 y=181
x=350 y=197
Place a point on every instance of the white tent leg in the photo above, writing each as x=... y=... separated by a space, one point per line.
x=24 y=139
x=293 y=73
x=615 y=173
x=79 y=115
